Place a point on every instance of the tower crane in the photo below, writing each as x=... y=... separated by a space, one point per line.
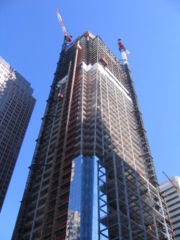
x=67 y=37
x=124 y=51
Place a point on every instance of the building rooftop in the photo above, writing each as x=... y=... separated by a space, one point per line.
x=167 y=184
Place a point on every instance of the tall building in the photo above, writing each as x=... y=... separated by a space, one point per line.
x=92 y=175
x=172 y=198
x=16 y=105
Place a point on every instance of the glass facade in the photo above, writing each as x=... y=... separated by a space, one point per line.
x=83 y=200
x=16 y=106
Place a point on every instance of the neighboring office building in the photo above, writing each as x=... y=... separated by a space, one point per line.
x=16 y=106
x=172 y=197
x=92 y=164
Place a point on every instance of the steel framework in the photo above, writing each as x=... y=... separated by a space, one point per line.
x=96 y=119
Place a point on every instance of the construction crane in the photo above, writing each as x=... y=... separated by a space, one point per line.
x=174 y=185
x=124 y=51
x=67 y=37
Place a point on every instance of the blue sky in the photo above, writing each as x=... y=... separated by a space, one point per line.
x=31 y=39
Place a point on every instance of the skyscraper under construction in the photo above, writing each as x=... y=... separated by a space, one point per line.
x=92 y=175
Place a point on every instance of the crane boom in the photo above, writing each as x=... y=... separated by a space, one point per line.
x=66 y=35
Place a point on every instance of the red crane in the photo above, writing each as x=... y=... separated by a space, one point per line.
x=124 y=51
x=67 y=37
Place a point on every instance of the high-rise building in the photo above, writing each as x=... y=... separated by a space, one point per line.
x=92 y=175
x=171 y=192
x=16 y=106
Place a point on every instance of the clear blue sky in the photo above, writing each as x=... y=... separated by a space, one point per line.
x=31 y=39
